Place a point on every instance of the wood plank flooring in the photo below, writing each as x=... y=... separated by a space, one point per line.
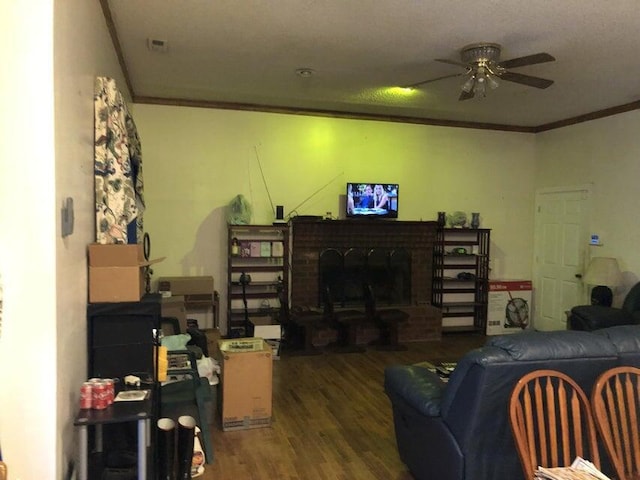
x=331 y=418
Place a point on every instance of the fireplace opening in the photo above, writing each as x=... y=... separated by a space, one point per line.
x=346 y=273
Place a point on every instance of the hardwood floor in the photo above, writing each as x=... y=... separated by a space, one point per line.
x=331 y=418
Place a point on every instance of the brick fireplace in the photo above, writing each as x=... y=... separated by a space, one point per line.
x=310 y=237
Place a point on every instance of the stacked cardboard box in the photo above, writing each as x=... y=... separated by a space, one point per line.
x=116 y=272
x=195 y=296
x=246 y=380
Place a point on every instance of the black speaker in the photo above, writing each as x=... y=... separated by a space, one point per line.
x=279 y=212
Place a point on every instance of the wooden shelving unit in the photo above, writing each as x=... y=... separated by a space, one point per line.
x=260 y=252
x=461 y=278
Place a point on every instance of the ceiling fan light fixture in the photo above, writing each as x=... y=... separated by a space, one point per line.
x=467 y=86
x=484 y=67
x=480 y=88
x=493 y=82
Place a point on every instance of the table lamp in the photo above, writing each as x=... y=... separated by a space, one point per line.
x=604 y=273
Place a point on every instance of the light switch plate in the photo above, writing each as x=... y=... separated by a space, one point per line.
x=67 y=217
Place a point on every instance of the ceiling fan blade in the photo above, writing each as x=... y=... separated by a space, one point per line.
x=451 y=62
x=536 y=82
x=528 y=60
x=419 y=84
x=466 y=95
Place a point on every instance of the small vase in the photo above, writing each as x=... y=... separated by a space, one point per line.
x=475 y=220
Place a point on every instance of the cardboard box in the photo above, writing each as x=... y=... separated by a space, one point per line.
x=509 y=308
x=264 y=327
x=187 y=285
x=246 y=382
x=116 y=272
x=199 y=297
x=174 y=307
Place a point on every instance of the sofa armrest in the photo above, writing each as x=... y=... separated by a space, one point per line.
x=595 y=317
x=417 y=386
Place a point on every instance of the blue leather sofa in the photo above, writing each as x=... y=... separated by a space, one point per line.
x=460 y=430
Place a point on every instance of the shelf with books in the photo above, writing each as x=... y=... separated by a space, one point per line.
x=258 y=268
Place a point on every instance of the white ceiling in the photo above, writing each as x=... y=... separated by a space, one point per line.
x=247 y=51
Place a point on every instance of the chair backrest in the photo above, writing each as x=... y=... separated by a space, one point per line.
x=354 y=274
x=400 y=264
x=378 y=273
x=615 y=401
x=327 y=302
x=551 y=421
x=369 y=302
x=331 y=265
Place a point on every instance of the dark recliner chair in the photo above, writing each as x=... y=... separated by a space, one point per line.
x=595 y=317
x=460 y=430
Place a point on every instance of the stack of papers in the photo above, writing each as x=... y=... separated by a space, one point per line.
x=580 y=469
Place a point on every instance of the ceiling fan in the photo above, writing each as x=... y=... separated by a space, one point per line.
x=484 y=69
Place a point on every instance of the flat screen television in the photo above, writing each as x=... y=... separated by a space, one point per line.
x=372 y=200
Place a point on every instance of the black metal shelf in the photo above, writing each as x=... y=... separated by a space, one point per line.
x=266 y=288
x=256 y=268
x=253 y=295
x=449 y=293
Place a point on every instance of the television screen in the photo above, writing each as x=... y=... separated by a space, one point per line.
x=372 y=200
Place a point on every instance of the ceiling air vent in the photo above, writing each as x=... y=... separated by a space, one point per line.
x=157 y=45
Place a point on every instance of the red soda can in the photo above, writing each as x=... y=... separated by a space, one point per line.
x=110 y=390
x=86 y=395
x=99 y=396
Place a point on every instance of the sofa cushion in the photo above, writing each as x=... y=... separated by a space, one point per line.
x=553 y=345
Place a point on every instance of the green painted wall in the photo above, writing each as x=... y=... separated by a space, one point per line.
x=197 y=160
x=605 y=154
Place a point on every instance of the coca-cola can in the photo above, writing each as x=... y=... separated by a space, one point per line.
x=86 y=395
x=100 y=396
x=111 y=393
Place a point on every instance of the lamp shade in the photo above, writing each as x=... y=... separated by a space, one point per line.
x=603 y=271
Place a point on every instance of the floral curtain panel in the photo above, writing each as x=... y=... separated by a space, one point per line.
x=117 y=167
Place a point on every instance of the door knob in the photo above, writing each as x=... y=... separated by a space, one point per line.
x=578 y=275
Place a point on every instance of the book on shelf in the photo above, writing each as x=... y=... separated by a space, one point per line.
x=256 y=249
x=265 y=249
x=277 y=249
x=245 y=249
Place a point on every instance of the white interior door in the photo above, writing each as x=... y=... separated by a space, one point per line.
x=560 y=244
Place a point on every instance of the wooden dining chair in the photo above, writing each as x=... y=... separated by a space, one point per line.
x=615 y=401
x=551 y=421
